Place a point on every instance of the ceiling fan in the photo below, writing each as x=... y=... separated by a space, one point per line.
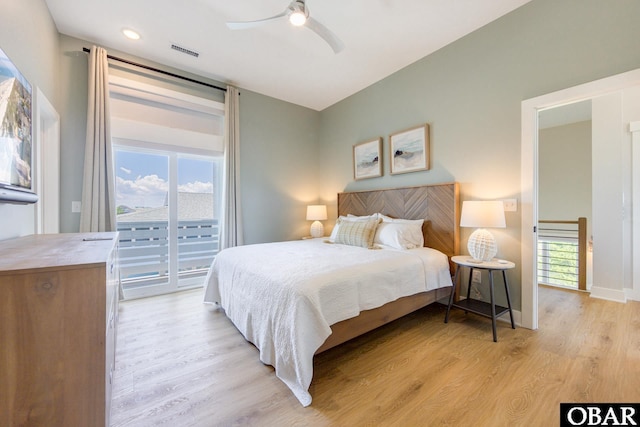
x=298 y=14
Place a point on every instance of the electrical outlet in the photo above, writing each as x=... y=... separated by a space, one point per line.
x=76 y=207
x=476 y=276
x=475 y=292
x=510 y=205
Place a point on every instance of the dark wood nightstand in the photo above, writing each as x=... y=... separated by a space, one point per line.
x=490 y=310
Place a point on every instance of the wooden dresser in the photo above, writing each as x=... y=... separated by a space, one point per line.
x=58 y=316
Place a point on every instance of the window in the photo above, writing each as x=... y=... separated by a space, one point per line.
x=167 y=216
x=168 y=167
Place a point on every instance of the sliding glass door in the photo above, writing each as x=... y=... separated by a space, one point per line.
x=167 y=215
x=197 y=216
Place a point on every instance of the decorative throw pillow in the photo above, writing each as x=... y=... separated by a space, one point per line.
x=352 y=218
x=356 y=233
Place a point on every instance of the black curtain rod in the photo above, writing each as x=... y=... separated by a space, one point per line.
x=146 y=67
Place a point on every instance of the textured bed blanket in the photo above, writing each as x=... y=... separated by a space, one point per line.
x=284 y=296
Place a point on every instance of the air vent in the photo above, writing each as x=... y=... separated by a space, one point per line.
x=185 y=50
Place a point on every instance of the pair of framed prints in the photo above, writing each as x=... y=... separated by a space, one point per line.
x=408 y=152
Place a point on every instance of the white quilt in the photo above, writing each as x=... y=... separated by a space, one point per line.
x=284 y=296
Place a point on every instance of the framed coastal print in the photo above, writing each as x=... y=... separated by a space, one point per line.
x=409 y=150
x=367 y=161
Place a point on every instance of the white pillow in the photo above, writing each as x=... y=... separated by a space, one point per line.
x=400 y=220
x=363 y=217
x=400 y=233
x=385 y=218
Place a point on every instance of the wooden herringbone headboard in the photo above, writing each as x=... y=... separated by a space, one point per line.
x=437 y=204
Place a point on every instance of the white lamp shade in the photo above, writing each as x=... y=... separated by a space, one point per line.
x=483 y=214
x=482 y=245
x=316 y=212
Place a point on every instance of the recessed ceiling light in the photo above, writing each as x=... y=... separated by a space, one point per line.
x=130 y=34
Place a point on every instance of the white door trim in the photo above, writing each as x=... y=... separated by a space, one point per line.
x=529 y=175
x=47 y=165
x=634 y=128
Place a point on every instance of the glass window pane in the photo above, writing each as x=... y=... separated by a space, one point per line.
x=142 y=217
x=198 y=206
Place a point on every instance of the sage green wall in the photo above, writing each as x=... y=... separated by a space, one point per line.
x=279 y=144
x=73 y=126
x=30 y=39
x=564 y=172
x=470 y=92
x=279 y=167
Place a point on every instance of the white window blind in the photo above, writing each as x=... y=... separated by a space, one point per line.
x=153 y=114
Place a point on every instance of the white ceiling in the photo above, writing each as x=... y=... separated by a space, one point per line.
x=277 y=59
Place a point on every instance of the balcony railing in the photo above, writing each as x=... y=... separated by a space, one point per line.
x=144 y=249
x=562 y=253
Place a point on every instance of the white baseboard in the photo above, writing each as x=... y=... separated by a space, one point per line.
x=632 y=294
x=608 y=294
x=517 y=317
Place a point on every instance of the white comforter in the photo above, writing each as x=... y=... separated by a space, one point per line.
x=284 y=296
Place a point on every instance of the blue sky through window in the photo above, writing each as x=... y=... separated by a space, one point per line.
x=142 y=178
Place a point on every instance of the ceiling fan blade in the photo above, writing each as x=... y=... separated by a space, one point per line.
x=251 y=24
x=326 y=34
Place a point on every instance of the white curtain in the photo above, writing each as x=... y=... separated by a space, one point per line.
x=231 y=227
x=98 y=193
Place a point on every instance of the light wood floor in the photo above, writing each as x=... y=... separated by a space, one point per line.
x=180 y=364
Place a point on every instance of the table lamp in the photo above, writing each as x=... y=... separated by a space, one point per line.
x=316 y=213
x=482 y=214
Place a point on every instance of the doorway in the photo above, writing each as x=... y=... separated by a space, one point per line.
x=620 y=252
x=47 y=176
x=168 y=151
x=168 y=205
x=565 y=196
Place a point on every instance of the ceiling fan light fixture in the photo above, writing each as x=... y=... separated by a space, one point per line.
x=298 y=15
x=298 y=18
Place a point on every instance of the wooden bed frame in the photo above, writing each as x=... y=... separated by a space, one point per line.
x=439 y=206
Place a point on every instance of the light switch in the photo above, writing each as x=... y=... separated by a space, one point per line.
x=76 y=207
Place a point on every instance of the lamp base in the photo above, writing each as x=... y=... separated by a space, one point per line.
x=482 y=245
x=317 y=229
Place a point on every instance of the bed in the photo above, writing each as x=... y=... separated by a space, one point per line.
x=295 y=299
